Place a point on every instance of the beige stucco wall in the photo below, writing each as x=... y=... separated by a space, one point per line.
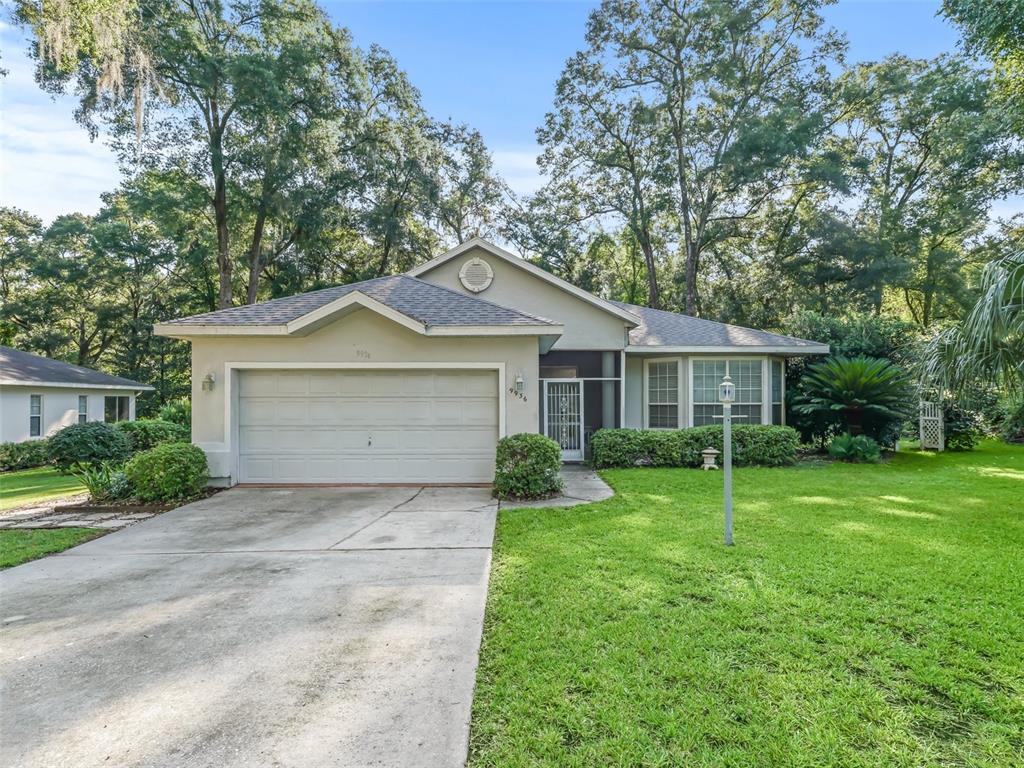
x=362 y=337
x=60 y=408
x=586 y=326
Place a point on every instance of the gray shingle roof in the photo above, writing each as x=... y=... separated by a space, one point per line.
x=422 y=301
x=17 y=367
x=668 y=329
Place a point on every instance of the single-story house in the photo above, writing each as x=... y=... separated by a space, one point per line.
x=39 y=396
x=413 y=378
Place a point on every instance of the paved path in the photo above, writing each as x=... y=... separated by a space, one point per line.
x=43 y=516
x=314 y=628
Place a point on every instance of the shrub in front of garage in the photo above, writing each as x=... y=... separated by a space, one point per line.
x=168 y=472
x=762 y=445
x=527 y=466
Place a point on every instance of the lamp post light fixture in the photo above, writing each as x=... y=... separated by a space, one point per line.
x=726 y=395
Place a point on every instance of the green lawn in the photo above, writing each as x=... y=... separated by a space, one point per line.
x=30 y=485
x=20 y=546
x=870 y=615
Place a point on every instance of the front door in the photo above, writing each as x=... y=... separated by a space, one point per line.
x=563 y=416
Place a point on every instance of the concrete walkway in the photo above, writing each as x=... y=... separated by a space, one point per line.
x=289 y=628
x=582 y=486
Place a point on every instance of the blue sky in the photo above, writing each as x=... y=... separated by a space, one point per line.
x=492 y=65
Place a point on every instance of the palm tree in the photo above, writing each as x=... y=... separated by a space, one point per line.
x=860 y=391
x=988 y=346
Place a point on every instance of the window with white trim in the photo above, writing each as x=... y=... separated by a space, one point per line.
x=663 y=394
x=777 y=372
x=746 y=376
x=35 y=415
x=83 y=409
x=115 y=408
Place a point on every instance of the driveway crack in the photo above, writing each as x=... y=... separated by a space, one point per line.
x=378 y=518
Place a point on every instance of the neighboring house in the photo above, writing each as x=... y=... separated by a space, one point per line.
x=413 y=378
x=39 y=396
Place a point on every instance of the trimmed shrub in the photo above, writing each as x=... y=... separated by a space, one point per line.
x=26 y=455
x=94 y=442
x=144 y=434
x=763 y=445
x=168 y=472
x=177 y=411
x=527 y=466
x=635 y=448
x=847 y=447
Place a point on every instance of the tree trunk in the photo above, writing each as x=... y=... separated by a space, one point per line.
x=255 y=248
x=653 y=294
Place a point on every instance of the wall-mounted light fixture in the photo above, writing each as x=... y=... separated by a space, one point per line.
x=520 y=384
x=208 y=382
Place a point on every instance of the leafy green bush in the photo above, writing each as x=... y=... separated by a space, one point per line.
x=527 y=466
x=168 y=472
x=752 y=445
x=104 y=481
x=635 y=448
x=177 y=411
x=87 y=444
x=861 y=395
x=849 y=447
x=1011 y=428
x=144 y=434
x=964 y=427
x=26 y=455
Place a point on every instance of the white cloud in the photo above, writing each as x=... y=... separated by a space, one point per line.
x=519 y=169
x=48 y=165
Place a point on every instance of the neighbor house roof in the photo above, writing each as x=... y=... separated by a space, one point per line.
x=669 y=331
x=17 y=367
x=428 y=308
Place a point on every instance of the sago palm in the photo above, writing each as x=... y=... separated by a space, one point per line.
x=856 y=390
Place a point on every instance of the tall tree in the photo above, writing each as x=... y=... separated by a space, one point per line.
x=740 y=85
x=602 y=150
x=933 y=153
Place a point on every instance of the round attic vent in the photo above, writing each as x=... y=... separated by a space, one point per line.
x=476 y=275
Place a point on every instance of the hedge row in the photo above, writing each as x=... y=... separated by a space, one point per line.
x=752 y=445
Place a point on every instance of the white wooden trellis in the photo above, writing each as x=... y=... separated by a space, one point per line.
x=932 y=428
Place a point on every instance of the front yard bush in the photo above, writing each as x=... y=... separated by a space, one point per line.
x=92 y=443
x=168 y=472
x=149 y=433
x=527 y=466
x=104 y=482
x=27 y=455
x=855 y=448
x=762 y=445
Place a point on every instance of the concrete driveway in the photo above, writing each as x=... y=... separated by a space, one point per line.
x=313 y=627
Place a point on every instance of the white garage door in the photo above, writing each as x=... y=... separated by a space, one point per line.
x=379 y=426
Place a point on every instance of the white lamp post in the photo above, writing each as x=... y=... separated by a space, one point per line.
x=726 y=395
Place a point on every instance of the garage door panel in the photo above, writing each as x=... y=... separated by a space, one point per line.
x=367 y=426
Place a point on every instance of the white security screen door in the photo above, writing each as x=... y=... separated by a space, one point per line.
x=563 y=409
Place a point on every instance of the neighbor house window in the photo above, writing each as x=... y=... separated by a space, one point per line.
x=777 y=371
x=83 y=409
x=115 y=408
x=708 y=374
x=663 y=394
x=35 y=415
